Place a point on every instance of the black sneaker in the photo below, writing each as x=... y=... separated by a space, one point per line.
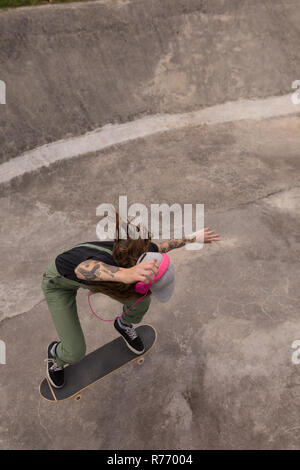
x=131 y=337
x=55 y=374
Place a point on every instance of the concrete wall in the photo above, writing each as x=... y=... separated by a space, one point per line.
x=72 y=68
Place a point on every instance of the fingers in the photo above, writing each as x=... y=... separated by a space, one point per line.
x=210 y=236
x=149 y=269
x=151 y=266
x=146 y=277
x=215 y=239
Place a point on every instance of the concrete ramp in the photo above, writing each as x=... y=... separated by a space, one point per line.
x=72 y=68
x=165 y=101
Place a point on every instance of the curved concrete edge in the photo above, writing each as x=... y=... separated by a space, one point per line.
x=53 y=6
x=112 y=134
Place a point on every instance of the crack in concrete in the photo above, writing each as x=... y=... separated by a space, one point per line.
x=257 y=200
x=41 y=424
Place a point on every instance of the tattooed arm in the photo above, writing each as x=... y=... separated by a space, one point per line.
x=202 y=236
x=93 y=271
x=164 y=247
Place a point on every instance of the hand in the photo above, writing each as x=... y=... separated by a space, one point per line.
x=204 y=236
x=142 y=272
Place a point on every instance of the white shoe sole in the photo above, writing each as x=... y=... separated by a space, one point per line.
x=49 y=378
x=138 y=353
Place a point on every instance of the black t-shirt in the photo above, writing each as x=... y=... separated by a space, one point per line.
x=67 y=261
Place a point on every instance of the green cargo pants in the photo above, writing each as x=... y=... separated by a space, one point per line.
x=60 y=294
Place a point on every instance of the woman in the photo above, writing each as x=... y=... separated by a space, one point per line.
x=112 y=268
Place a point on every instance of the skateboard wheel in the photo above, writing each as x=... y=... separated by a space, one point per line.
x=140 y=361
x=77 y=398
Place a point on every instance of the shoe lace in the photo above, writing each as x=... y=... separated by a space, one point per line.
x=131 y=332
x=54 y=366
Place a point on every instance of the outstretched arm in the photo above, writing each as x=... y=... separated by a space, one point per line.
x=93 y=270
x=202 y=236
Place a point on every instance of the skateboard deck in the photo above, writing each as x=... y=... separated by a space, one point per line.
x=97 y=365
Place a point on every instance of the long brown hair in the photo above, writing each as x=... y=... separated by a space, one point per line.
x=125 y=254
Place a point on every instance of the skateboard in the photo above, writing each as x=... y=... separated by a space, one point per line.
x=97 y=365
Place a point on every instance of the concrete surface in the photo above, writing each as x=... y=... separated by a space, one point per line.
x=112 y=134
x=221 y=375
x=72 y=68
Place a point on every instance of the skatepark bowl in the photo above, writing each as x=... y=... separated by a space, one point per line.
x=163 y=101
